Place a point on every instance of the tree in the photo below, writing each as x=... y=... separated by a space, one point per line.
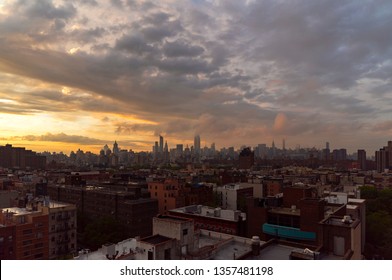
x=378 y=222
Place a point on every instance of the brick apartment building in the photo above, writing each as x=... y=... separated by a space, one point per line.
x=301 y=217
x=174 y=193
x=127 y=205
x=24 y=235
x=42 y=230
x=11 y=157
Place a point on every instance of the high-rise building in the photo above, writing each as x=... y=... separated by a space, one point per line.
x=115 y=148
x=384 y=158
x=273 y=148
x=15 y=157
x=156 y=149
x=213 y=148
x=196 y=144
x=160 y=144
x=362 y=159
x=179 y=150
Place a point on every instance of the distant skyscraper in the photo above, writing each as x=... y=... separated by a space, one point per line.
x=273 y=148
x=362 y=159
x=196 y=144
x=179 y=150
x=156 y=149
x=326 y=152
x=384 y=158
x=160 y=144
x=115 y=148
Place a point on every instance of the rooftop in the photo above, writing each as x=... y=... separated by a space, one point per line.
x=345 y=221
x=55 y=204
x=286 y=211
x=156 y=239
x=173 y=218
x=125 y=249
x=18 y=211
x=215 y=213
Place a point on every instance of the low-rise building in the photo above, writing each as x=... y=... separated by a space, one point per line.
x=214 y=219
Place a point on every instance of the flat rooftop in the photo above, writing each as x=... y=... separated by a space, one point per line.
x=18 y=211
x=338 y=221
x=356 y=200
x=55 y=204
x=173 y=218
x=209 y=212
x=231 y=249
x=156 y=239
x=275 y=252
x=287 y=211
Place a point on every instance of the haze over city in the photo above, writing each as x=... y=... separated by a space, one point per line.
x=80 y=74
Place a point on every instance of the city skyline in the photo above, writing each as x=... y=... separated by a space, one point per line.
x=81 y=74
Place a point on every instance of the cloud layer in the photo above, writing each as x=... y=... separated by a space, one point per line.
x=235 y=72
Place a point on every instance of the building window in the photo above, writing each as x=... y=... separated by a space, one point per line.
x=27 y=242
x=184 y=232
x=27 y=231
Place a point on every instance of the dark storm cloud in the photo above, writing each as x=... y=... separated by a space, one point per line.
x=185 y=66
x=179 y=48
x=46 y=9
x=335 y=43
x=63 y=138
x=87 y=35
x=134 y=44
x=127 y=128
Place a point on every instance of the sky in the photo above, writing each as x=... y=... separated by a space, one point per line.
x=80 y=74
